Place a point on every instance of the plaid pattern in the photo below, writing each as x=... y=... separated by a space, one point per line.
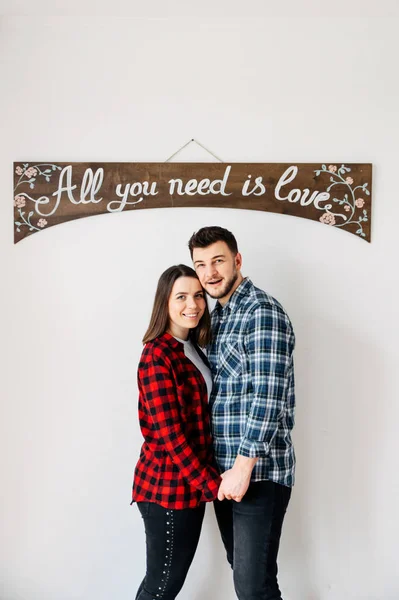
x=176 y=465
x=253 y=397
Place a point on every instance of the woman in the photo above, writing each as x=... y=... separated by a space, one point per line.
x=175 y=474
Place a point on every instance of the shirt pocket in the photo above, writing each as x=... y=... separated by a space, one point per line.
x=230 y=359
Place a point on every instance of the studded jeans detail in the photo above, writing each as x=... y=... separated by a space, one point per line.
x=171 y=538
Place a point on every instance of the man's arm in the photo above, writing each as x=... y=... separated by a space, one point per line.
x=269 y=344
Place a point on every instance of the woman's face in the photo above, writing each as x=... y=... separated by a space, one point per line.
x=186 y=306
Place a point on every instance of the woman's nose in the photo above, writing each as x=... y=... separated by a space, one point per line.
x=192 y=302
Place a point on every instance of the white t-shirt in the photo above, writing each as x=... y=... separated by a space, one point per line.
x=192 y=354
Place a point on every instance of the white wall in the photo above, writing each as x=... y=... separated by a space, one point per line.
x=76 y=299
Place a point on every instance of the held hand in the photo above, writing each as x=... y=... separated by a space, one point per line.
x=234 y=485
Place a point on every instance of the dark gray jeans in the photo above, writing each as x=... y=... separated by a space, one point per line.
x=251 y=531
x=172 y=538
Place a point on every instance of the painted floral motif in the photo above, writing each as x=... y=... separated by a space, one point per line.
x=359 y=202
x=19 y=201
x=327 y=218
x=29 y=175
x=31 y=172
x=349 y=203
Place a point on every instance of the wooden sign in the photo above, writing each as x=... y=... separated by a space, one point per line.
x=47 y=194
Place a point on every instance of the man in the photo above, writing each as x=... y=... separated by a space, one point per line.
x=252 y=407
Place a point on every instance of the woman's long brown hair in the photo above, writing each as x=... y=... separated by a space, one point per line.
x=159 y=321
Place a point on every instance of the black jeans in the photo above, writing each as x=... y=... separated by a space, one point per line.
x=172 y=538
x=251 y=531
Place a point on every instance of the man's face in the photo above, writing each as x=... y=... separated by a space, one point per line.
x=218 y=270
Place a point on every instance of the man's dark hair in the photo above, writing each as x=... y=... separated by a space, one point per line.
x=209 y=235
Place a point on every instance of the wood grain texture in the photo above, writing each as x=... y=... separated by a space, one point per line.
x=334 y=194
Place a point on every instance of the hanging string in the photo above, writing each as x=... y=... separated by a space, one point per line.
x=198 y=144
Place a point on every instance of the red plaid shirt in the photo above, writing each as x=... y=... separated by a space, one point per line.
x=176 y=465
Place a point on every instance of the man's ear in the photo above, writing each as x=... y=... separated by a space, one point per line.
x=238 y=261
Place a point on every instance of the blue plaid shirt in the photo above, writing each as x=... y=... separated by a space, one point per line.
x=253 y=399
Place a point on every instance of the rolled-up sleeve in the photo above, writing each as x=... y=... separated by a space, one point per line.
x=269 y=344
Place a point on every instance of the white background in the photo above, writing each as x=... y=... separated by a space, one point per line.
x=298 y=82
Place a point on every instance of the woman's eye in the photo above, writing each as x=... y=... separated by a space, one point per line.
x=180 y=297
x=200 y=295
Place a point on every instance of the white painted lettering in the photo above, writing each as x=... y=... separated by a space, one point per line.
x=91 y=185
x=68 y=188
x=285 y=178
x=222 y=182
x=322 y=197
x=245 y=187
x=296 y=194
x=135 y=189
x=191 y=187
x=203 y=185
x=172 y=183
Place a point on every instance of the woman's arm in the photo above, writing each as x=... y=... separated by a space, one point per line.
x=159 y=393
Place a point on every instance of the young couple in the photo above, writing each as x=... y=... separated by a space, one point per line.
x=216 y=427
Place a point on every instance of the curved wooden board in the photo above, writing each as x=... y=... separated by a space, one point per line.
x=334 y=194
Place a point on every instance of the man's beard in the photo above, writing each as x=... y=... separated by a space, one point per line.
x=228 y=286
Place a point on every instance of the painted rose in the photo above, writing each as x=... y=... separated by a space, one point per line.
x=327 y=218
x=42 y=223
x=359 y=202
x=19 y=170
x=349 y=180
x=31 y=172
x=347 y=207
x=19 y=201
x=332 y=169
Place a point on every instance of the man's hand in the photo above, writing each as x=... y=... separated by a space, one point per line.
x=236 y=480
x=233 y=486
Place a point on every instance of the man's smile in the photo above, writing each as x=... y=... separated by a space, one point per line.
x=214 y=281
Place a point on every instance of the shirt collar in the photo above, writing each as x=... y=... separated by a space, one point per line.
x=171 y=341
x=237 y=296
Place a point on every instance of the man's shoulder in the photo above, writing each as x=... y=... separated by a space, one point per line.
x=257 y=298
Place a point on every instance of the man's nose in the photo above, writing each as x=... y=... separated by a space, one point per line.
x=210 y=271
